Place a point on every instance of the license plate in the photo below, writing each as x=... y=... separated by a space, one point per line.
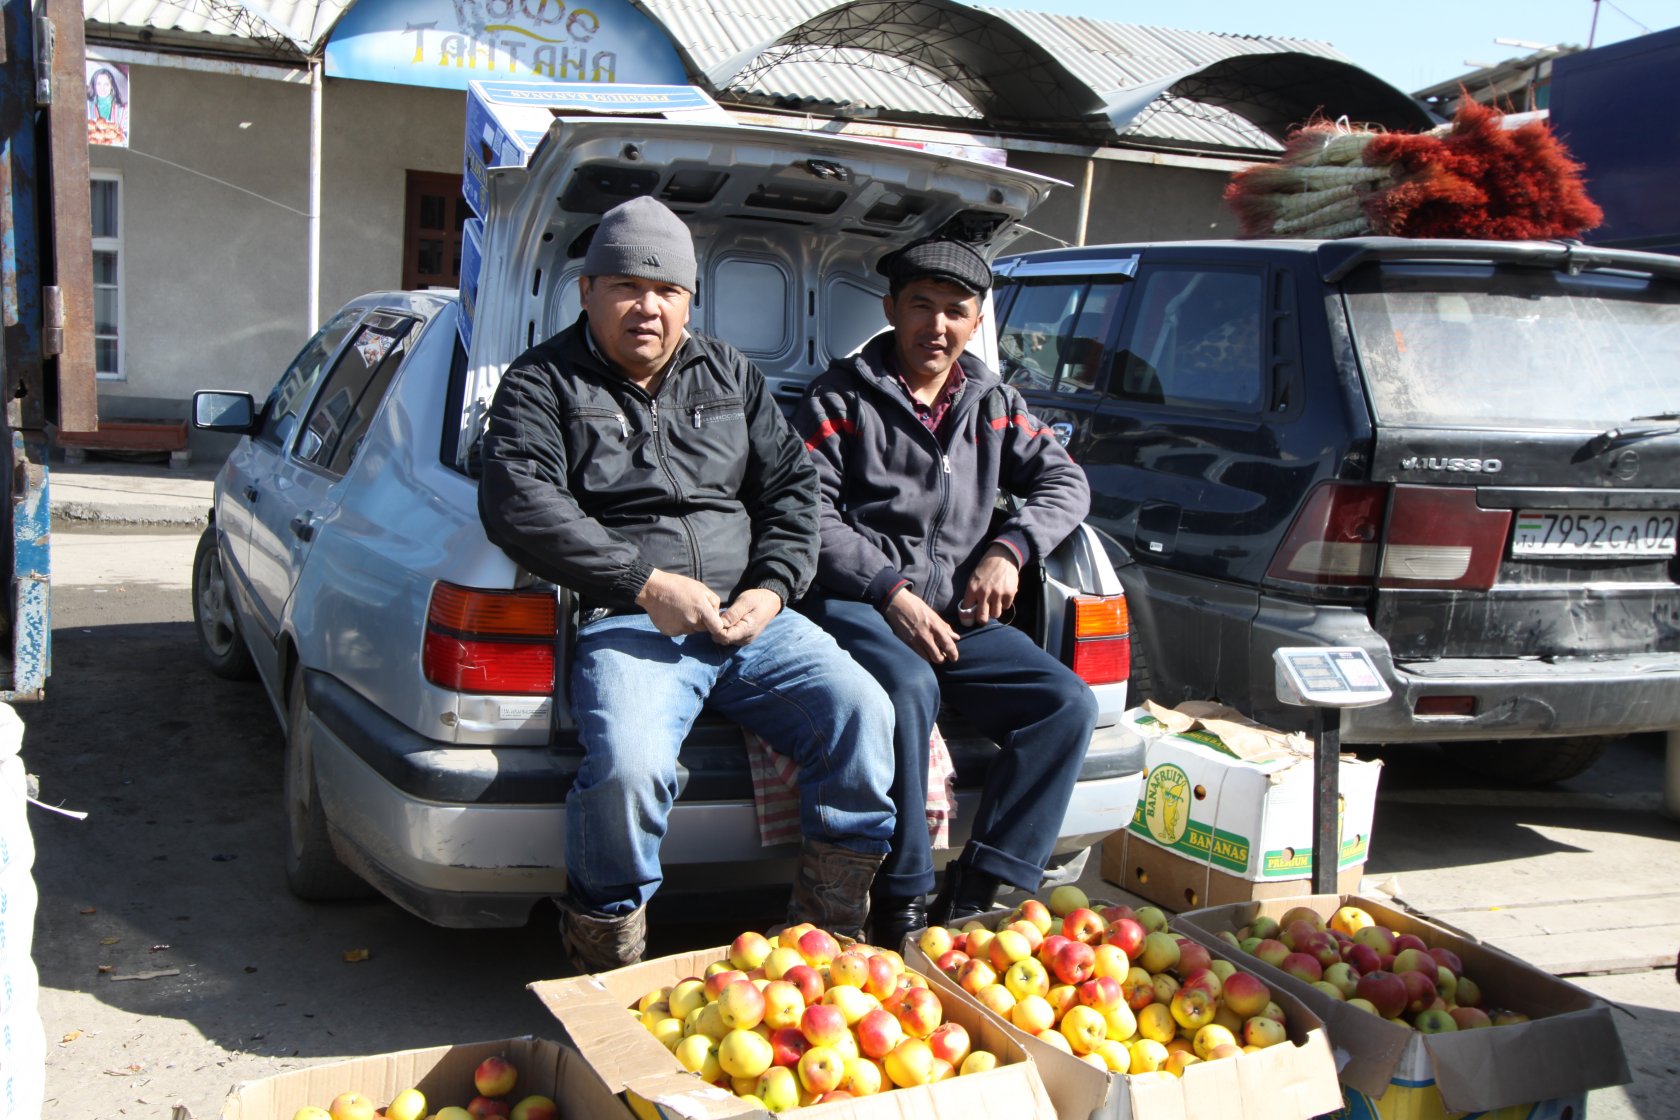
x=1591 y=533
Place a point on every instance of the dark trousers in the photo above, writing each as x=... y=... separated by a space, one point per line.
x=1009 y=688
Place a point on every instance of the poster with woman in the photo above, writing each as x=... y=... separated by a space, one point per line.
x=107 y=103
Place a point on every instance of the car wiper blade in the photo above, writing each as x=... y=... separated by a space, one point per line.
x=1658 y=416
x=1612 y=437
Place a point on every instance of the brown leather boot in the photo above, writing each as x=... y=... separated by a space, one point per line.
x=599 y=942
x=831 y=887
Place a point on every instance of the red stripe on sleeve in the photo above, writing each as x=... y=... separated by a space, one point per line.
x=828 y=428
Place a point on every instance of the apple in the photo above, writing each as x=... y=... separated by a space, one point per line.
x=1083 y=924
x=1179 y=1060
x=778 y=1088
x=997 y=999
x=352 y=1106
x=745 y=1053
x=1147 y=1056
x=783 y=1004
x=1321 y=946
x=950 y=1042
x=821 y=1069
x=1110 y=961
x=1067 y=898
x=1210 y=1038
x=1230 y=939
x=1061 y=997
x=979 y=943
x=1448 y=959
x=883 y=973
x=1351 y=919
x=741 y=1006
x=1152 y=918
x=864 y=1077
x=1205 y=979
x=1301 y=914
x=1303 y=966
x=749 y=950
x=976 y=974
x=1103 y=993
x=452 y=1112
x=1160 y=952
x=1262 y=1032
x=1222 y=968
x=1385 y=991
x=818 y=947
x=1085 y=1028
x=709 y=1022
x=1192 y=957
x=822 y=1024
x=1192 y=1008
x=1246 y=994
x=1027 y=977
x=1053 y=1037
x=910 y=1063
x=1165 y=985
x=1007 y=947
x=1380 y=938
x=1364 y=1005
x=949 y=962
x=1038 y=914
x=1434 y=1021
x=1114 y=911
x=1116 y=1058
x=1507 y=1018
x=849 y=969
x=978 y=1061
x=1328 y=989
x=1468 y=993
x=1363 y=958
x=1138 y=988
x=496 y=1076
x=1420 y=990
x=1446 y=984
x=853 y=1003
x=1074 y=962
x=788 y=1045
x=698 y=1053
x=1272 y=952
x=1122 y=1023
x=781 y=958
x=1049 y=947
x=919 y=1012
x=1344 y=977
x=1470 y=1018
x=1127 y=935
x=311 y=1112
x=410 y=1104
x=807 y=979
x=1414 y=960
x=935 y=942
x=485 y=1108
x=878 y=1032
x=1156 y=1021
x=1033 y=1013
x=1034 y=935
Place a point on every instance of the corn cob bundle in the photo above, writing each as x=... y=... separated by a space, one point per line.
x=1473 y=178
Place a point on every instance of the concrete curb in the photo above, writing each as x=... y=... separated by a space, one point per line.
x=85 y=513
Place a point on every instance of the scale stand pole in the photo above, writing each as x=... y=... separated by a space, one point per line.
x=1326 y=850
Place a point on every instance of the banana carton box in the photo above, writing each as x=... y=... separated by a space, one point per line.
x=443 y=1073
x=1225 y=813
x=1292 y=1080
x=1539 y=1067
x=597 y=1012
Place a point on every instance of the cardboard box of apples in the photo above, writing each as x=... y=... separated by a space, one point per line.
x=520 y=1078
x=769 y=1024
x=1432 y=1022
x=1126 y=1020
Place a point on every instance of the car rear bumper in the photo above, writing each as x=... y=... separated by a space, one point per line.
x=1512 y=697
x=474 y=837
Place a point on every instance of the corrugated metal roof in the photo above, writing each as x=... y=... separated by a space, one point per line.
x=1104 y=54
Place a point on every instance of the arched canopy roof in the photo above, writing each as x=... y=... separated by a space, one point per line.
x=1008 y=78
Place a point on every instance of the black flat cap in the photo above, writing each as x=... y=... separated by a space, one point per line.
x=938 y=258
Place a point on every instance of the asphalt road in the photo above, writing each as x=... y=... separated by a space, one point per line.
x=176 y=875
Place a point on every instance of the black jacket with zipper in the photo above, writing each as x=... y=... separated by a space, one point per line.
x=898 y=504
x=588 y=482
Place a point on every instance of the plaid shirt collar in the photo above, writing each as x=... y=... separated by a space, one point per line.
x=932 y=415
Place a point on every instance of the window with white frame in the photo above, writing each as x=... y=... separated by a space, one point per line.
x=106 y=188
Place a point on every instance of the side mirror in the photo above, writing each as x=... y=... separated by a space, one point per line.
x=217 y=410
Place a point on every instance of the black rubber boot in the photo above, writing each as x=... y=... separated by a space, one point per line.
x=966 y=893
x=892 y=919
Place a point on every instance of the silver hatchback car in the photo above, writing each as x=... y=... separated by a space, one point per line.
x=419 y=674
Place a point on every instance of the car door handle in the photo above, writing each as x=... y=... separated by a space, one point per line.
x=1063 y=431
x=303 y=527
x=250 y=492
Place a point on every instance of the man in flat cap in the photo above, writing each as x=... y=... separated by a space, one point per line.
x=649 y=470
x=913 y=440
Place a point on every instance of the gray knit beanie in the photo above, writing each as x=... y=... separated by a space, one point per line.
x=642 y=238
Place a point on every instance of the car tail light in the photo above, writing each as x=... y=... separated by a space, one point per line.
x=1439 y=537
x=1102 y=642
x=1333 y=541
x=490 y=641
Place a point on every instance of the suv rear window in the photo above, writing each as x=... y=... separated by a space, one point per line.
x=1492 y=347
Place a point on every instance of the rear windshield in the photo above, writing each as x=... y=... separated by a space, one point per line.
x=1497 y=347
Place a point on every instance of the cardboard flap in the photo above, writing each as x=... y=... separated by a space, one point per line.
x=1560 y=1057
x=1241 y=736
x=679 y=1095
x=613 y=1041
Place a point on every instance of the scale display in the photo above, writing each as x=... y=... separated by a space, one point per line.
x=1328 y=677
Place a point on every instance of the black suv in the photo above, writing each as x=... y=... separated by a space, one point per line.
x=1462 y=456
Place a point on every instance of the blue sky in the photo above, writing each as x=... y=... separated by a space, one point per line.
x=1409 y=44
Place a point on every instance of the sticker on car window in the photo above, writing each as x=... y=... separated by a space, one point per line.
x=372 y=348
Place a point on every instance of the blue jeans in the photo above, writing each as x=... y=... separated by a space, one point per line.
x=1038 y=711
x=636 y=693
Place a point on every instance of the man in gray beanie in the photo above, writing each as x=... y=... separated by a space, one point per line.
x=649 y=470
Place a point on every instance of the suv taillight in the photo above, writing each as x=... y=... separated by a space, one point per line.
x=1333 y=541
x=490 y=641
x=1102 y=643
x=1439 y=537
x=1424 y=536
